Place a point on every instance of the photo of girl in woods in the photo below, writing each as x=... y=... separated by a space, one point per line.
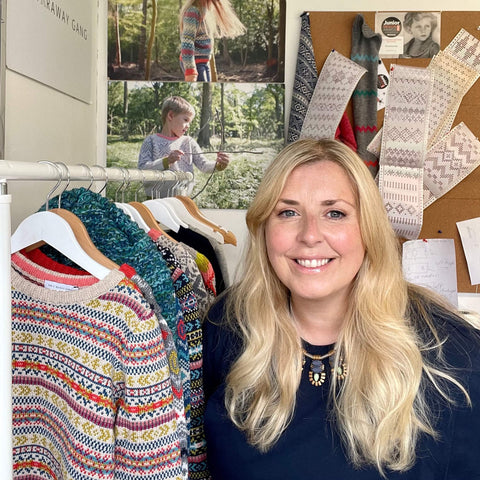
x=201 y=21
x=196 y=40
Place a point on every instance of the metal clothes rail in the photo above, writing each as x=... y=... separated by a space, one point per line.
x=47 y=171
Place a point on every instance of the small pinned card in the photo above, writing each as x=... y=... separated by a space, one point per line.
x=431 y=263
x=469 y=231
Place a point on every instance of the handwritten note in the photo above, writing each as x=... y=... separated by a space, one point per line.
x=431 y=263
x=469 y=231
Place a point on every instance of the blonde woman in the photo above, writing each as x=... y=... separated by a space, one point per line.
x=200 y=22
x=322 y=362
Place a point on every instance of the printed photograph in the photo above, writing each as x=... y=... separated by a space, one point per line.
x=408 y=34
x=196 y=40
x=224 y=134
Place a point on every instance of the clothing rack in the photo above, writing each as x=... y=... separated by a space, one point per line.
x=45 y=171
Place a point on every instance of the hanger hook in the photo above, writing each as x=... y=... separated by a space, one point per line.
x=174 y=186
x=142 y=184
x=59 y=181
x=127 y=184
x=159 y=184
x=106 y=178
x=90 y=173
x=68 y=182
x=122 y=184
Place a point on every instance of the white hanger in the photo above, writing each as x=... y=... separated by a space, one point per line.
x=163 y=213
x=54 y=230
x=191 y=221
x=65 y=232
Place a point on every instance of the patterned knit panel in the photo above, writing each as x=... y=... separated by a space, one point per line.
x=305 y=80
x=452 y=80
x=404 y=145
x=123 y=241
x=180 y=401
x=198 y=452
x=196 y=44
x=365 y=48
x=449 y=161
x=466 y=48
x=335 y=85
x=92 y=397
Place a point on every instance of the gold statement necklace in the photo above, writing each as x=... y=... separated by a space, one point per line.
x=317 y=373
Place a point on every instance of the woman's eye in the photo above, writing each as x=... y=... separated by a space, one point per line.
x=335 y=214
x=287 y=213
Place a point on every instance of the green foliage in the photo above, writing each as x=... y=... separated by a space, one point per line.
x=251 y=111
x=260 y=17
x=233 y=188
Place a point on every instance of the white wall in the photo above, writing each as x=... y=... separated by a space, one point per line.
x=44 y=124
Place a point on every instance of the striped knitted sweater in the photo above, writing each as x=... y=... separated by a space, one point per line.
x=92 y=397
x=196 y=44
x=197 y=459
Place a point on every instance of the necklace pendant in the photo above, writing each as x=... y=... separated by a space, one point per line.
x=317 y=374
x=340 y=371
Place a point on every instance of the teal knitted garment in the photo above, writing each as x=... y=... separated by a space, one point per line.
x=121 y=240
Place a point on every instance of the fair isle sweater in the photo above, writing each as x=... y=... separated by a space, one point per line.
x=195 y=42
x=92 y=397
x=156 y=147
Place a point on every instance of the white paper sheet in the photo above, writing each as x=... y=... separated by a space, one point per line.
x=431 y=263
x=469 y=231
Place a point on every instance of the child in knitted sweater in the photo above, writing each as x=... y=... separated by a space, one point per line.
x=172 y=149
x=200 y=22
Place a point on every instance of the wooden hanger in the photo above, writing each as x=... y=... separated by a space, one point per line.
x=192 y=207
x=148 y=218
x=64 y=231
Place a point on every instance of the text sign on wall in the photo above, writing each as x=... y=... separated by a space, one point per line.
x=51 y=41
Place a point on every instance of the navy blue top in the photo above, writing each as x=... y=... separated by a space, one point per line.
x=310 y=448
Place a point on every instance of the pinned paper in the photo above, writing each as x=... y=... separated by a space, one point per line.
x=431 y=263
x=469 y=231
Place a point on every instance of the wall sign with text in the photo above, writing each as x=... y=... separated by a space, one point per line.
x=51 y=41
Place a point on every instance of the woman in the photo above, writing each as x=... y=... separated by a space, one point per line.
x=200 y=22
x=322 y=362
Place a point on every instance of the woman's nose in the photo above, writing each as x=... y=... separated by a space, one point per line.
x=311 y=230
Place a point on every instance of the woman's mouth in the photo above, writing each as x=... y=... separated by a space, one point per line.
x=313 y=263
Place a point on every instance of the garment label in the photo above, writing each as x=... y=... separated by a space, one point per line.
x=59 y=287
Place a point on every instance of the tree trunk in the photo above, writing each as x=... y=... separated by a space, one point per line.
x=118 y=50
x=280 y=76
x=125 y=110
x=203 y=138
x=227 y=59
x=143 y=38
x=222 y=114
x=150 y=40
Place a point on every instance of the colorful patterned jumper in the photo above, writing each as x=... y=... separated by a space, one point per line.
x=196 y=43
x=92 y=397
x=183 y=288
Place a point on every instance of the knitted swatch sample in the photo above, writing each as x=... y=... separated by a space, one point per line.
x=404 y=145
x=335 y=86
x=305 y=80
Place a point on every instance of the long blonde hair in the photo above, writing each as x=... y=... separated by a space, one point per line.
x=380 y=408
x=219 y=16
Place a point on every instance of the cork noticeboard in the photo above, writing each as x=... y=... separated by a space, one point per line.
x=333 y=30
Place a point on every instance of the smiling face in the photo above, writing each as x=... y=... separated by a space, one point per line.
x=313 y=236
